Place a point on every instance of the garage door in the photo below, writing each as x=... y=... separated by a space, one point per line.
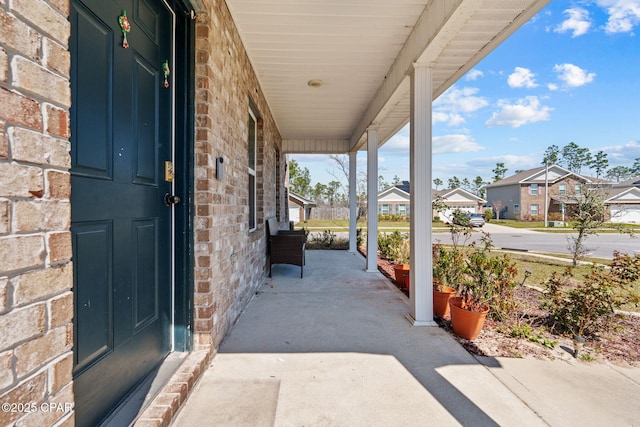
x=625 y=214
x=294 y=214
x=447 y=215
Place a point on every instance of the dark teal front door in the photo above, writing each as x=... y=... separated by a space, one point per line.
x=121 y=120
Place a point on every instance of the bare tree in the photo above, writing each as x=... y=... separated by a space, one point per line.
x=497 y=206
x=342 y=162
x=587 y=211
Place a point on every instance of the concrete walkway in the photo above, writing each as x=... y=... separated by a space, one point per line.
x=334 y=349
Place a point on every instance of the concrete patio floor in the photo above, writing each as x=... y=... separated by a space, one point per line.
x=335 y=349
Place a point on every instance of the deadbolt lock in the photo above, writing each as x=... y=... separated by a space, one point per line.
x=170 y=199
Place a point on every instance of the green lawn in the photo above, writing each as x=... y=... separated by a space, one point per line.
x=343 y=225
x=336 y=225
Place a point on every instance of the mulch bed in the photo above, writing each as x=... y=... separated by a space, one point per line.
x=620 y=345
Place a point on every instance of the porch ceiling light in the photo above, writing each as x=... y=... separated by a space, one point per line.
x=315 y=83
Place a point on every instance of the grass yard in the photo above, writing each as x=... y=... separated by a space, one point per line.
x=337 y=225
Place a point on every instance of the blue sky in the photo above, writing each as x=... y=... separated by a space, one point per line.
x=572 y=73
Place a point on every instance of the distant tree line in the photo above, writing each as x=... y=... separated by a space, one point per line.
x=335 y=193
x=571 y=156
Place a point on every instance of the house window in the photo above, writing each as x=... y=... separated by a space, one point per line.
x=385 y=209
x=516 y=209
x=253 y=135
x=401 y=209
x=578 y=189
x=533 y=190
x=563 y=189
x=533 y=209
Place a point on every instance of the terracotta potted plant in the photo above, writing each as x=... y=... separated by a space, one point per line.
x=447 y=269
x=488 y=283
x=441 y=296
x=467 y=317
x=400 y=255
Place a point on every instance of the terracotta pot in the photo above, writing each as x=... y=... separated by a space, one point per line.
x=441 y=301
x=466 y=324
x=407 y=281
x=400 y=270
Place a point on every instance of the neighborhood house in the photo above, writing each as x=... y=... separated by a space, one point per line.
x=527 y=194
x=396 y=199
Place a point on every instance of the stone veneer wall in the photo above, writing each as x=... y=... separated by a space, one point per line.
x=36 y=303
x=230 y=260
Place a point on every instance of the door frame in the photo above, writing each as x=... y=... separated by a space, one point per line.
x=184 y=134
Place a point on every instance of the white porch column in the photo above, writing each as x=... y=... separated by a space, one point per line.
x=353 y=202
x=372 y=200
x=421 y=294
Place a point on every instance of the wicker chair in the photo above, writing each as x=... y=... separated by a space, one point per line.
x=285 y=246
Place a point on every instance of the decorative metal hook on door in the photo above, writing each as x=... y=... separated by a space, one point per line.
x=166 y=71
x=125 y=26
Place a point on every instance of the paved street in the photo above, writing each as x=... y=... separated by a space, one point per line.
x=601 y=245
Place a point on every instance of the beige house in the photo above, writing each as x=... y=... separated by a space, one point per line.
x=396 y=200
x=143 y=145
x=624 y=201
x=299 y=208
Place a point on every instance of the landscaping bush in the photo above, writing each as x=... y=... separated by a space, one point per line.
x=488 y=215
x=587 y=307
x=448 y=265
x=489 y=280
x=389 y=243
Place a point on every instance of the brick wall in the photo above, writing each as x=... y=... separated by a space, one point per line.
x=554 y=190
x=230 y=260
x=36 y=275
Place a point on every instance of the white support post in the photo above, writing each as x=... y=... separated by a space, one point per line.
x=353 y=202
x=372 y=200
x=421 y=289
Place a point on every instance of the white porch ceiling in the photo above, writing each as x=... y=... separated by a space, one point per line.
x=362 y=52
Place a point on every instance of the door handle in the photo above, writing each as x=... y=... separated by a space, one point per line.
x=171 y=200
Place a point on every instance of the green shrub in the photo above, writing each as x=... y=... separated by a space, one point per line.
x=448 y=265
x=587 y=307
x=490 y=280
x=388 y=243
x=488 y=215
x=325 y=239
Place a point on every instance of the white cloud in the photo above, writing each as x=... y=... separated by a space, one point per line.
x=522 y=77
x=552 y=86
x=458 y=143
x=524 y=111
x=622 y=154
x=572 y=75
x=461 y=100
x=578 y=22
x=399 y=143
x=451 y=106
x=624 y=15
x=451 y=119
x=473 y=75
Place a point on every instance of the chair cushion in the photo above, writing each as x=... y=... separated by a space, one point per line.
x=272 y=223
